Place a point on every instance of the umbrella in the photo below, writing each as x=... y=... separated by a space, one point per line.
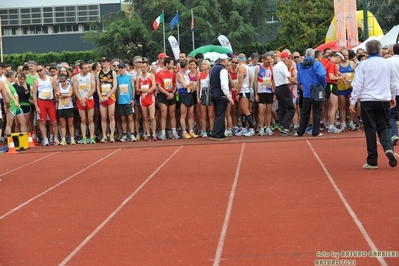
x=210 y=48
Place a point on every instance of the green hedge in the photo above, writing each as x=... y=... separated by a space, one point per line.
x=70 y=57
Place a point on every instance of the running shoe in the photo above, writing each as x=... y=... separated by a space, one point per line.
x=56 y=142
x=334 y=130
x=193 y=135
x=83 y=141
x=175 y=136
x=250 y=133
x=112 y=139
x=392 y=158
x=186 y=135
x=269 y=131
x=92 y=140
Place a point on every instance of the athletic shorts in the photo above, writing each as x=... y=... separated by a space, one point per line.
x=187 y=99
x=65 y=113
x=163 y=99
x=26 y=109
x=331 y=89
x=147 y=100
x=17 y=111
x=124 y=109
x=265 y=98
x=96 y=100
x=345 y=92
x=245 y=95
x=89 y=104
x=108 y=102
x=47 y=108
x=195 y=97
x=137 y=100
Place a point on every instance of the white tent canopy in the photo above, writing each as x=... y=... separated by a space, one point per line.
x=391 y=37
x=363 y=44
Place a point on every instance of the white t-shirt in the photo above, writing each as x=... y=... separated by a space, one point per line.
x=280 y=74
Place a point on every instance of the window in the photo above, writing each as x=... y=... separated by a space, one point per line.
x=9 y=31
x=35 y=30
x=66 y=28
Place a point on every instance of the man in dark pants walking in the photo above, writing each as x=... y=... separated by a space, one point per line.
x=375 y=85
x=310 y=72
x=281 y=78
x=219 y=85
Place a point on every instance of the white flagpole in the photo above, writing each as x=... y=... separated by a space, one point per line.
x=164 y=45
x=192 y=33
x=1 y=42
x=178 y=31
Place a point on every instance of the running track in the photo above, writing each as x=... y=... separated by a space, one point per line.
x=245 y=201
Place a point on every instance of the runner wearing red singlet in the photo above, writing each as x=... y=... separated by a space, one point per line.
x=166 y=85
x=146 y=86
x=233 y=110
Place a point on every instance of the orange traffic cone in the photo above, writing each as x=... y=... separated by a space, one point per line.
x=34 y=138
x=11 y=147
x=30 y=141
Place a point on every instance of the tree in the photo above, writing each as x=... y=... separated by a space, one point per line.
x=303 y=23
x=123 y=35
x=386 y=13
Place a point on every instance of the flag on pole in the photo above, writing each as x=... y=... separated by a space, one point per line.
x=174 y=21
x=192 y=22
x=158 y=21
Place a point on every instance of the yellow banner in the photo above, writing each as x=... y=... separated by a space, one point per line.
x=339 y=10
x=351 y=22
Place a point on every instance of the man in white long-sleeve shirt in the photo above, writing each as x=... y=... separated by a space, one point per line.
x=375 y=85
x=219 y=85
x=395 y=110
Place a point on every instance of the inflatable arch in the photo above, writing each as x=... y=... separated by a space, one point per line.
x=374 y=27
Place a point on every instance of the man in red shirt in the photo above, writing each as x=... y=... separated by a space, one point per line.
x=166 y=85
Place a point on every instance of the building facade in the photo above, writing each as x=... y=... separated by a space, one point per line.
x=47 y=25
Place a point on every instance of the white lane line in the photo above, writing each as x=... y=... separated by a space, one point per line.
x=22 y=166
x=223 y=233
x=57 y=185
x=366 y=236
x=104 y=223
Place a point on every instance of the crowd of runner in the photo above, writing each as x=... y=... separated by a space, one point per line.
x=132 y=100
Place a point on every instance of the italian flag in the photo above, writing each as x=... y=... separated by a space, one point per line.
x=157 y=22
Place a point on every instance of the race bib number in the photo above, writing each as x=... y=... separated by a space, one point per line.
x=105 y=89
x=46 y=95
x=235 y=83
x=84 y=89
x=145 y=87
x=168 y=85
x=65 y=102
x=266 y=81
x=123 y=89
